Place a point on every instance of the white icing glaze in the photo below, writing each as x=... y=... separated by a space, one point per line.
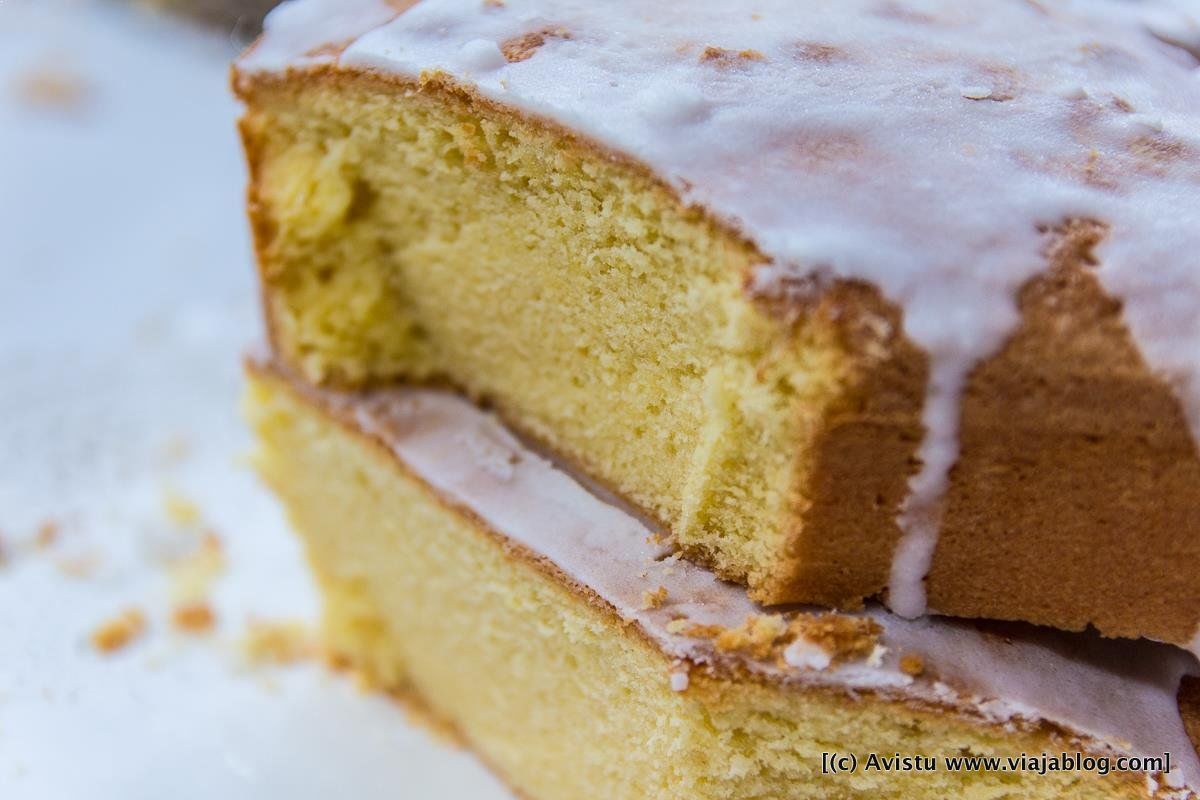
x=915 y=144
x=300 y=34
x=1118 y=695
x=804 y=654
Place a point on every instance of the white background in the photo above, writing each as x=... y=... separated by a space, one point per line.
x=126 y=300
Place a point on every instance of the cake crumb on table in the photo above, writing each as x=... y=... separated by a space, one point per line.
x=47 y=534
x=119 y=631
x=175 y=450
x=179 y=509
x=52 y=88
x=278 y=642
x=80 y=566
x=193 y=618
x=192 y=575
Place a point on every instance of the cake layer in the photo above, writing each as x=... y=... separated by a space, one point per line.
x=581 y=660
x=854 y=299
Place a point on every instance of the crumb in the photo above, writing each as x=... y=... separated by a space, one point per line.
x=912 y=664
x=279 y=642
x=47 y=534
x=175 y=450
x=193 y=575
x=803 y=654
x=654 y=599
x=336 y=661
x=756 y=636
x=845 y=637
x=119 y=631
x=680 y=680
x=193 y=618
x=685 y=627
x=82 y=566
x=875 y=659
x=493 y=3
x=4 y=557
x=211 y=542
x=179 y=509
x=729 y=58
x=520 y=48
x=814 y=639
x=52 y=88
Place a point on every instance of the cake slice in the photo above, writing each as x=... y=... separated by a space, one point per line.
x=854 y=299
x=578 y=659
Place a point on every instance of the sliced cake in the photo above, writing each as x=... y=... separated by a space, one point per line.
x=851 y=299
x=553 y=631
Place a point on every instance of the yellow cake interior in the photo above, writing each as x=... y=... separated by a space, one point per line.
x=558 y=696
x=421 y=234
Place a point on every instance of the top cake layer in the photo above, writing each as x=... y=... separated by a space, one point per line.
x=920 y=146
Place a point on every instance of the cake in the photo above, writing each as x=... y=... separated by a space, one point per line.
x=867 y=299
x=551 y=629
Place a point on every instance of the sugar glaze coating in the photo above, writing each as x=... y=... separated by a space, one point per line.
x=916 y=144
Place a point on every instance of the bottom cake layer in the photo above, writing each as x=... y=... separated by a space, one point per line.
x=581 y=660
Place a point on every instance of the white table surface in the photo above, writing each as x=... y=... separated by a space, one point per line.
x=126 y=299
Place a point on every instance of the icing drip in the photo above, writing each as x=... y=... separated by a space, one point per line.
x=920 y=516
x=313 y=32
x=917 y=145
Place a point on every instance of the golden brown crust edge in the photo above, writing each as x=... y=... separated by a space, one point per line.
x=839 y=544
x=1077 y=493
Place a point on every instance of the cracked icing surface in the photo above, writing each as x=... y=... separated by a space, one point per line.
x=917 y=145
x=1118 y=694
